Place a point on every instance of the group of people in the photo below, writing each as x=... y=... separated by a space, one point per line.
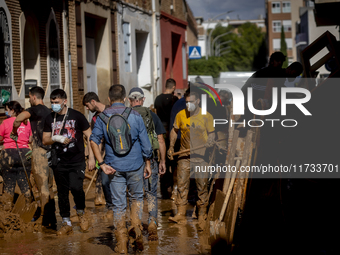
x=130 y=145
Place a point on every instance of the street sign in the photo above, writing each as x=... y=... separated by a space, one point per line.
x=195 y=52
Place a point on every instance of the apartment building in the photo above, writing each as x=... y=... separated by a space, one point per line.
x=282 y=13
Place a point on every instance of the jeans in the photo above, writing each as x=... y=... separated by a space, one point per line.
x=133 y=181
x=105 y=180
x=150 y=187
x=70 y=177
x=13 y=171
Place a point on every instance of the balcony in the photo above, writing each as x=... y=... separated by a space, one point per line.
x=301 y=39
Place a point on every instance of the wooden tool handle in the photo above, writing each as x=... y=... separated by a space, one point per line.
x=193 y=149
x=231 y=185
x=91 y=181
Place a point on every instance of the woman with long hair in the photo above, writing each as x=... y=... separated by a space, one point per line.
x=10 y=163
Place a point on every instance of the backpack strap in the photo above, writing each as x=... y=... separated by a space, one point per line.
x=104 y=118
x=126 y=112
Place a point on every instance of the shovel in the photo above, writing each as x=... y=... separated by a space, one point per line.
x=217 y=227
x=26 y=212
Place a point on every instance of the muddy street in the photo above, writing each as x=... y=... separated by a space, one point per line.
x=100 y=239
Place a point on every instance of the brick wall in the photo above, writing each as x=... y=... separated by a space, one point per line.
x=179 y=8
x=42 y=13
x=144 y=4
x=15 y=10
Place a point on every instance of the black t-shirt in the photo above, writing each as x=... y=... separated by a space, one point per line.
x=159 y=128
x=38 y=115
x=74 y=126
x=163 y=105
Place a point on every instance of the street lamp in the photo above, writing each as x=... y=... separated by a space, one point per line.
x=220 y=44
x=225 y=52
x=207 y=43
x=225 y=48
x=213 y=42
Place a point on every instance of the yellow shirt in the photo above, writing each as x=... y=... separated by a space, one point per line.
x=194 y=130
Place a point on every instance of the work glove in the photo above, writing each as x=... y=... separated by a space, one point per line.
x=28 y=155
x=14 y=137
x=59 y=138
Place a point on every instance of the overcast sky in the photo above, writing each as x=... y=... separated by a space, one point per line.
x=246 y=9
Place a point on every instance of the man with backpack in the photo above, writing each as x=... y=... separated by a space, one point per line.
x=155 y=132
x=127 y=145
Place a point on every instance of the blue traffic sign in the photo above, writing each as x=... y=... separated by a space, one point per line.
x=195 y=52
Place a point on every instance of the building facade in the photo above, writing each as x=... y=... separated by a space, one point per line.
x=177 y=26
x=308 y=31
x=282 y=13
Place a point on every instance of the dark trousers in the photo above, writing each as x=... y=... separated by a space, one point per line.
x=70 y=177
x=13 y=171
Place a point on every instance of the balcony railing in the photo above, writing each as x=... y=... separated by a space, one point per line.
x=301 y=39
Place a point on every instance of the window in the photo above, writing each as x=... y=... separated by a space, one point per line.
x=277 y=44
x=127 y=46
x=277 y=26
x=276 y=7
x=287 y=25
x=54 y=56
x=5 y=54
x=286 y=7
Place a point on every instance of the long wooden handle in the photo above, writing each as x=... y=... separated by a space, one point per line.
x=95 y=173
x=231 y=185
x=193 y=149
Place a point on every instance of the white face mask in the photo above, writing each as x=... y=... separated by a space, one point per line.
x=191 y=106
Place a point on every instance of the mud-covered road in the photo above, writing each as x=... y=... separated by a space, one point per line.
x=99 y=239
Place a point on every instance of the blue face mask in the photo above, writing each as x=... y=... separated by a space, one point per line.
x=57 y=107
x=7 y=115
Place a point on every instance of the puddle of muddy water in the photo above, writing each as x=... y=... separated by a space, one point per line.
x=100 y=239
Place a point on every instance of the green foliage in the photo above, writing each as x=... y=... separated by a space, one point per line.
x=247 y=51
x=213 y=66
x=284 y=47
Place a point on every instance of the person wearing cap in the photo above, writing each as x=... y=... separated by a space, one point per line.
x=136 y=99
x=125 y=171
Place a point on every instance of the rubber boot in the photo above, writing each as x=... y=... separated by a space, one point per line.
x=180 y=216
x=121 y=237
x=7 y=201
x=135 y=230
x=202 y=216
x=99 y=200
x=84 y=222
x=152 y=230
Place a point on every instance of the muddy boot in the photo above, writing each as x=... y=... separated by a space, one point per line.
x=202 y=216
x=152 y=229
x=7 y=201
x=84 y=222
x=121 y=237
x=99 y=200
x=180 y=216
x=135 y=230
x=109 y=214
x=66 y=228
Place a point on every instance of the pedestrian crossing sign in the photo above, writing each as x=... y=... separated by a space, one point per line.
x=195 y=52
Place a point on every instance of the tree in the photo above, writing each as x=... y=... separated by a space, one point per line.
x=247 y=51
x=284 y=47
